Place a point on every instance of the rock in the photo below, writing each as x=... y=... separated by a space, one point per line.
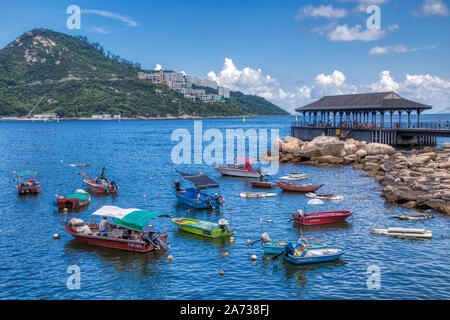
x=410 y=204
x=285 y=157
x=369 y=166
x=358 y=166
x=379 y=148
x=270 y=156
x=418 y=159
x=445 y=165
x=328 y=159
x=349 y=148
x=321 y=146
x=361 y=153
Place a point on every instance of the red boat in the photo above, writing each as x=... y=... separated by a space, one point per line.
x=316 y=218
x=29 y=185
x=72 y=201
x=298 y=188
x=266 y=185
x=100 y=185
x=126 y=232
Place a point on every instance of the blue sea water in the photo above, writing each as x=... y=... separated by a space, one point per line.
x=137 y=155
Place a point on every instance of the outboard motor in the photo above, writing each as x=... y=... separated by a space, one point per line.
x=223 y=223
x=219 y=199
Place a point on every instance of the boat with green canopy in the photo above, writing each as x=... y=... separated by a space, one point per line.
x=204 y=228
x=76 y=200
x=126 y=230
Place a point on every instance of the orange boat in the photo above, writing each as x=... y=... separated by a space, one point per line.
x=100 y=185
x=29 y=183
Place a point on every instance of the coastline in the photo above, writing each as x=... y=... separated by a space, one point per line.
x=141 y=118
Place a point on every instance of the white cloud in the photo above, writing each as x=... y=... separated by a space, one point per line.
x=385 y=83
x=377 y=50
x=128 y=21
x=331 y=84
x=343 y=33
x=363 y=4
x=158 y=67
x=321 y=11
x=432 y=8
x=101 y=30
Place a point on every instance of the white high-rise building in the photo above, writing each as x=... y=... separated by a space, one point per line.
x=224 y=92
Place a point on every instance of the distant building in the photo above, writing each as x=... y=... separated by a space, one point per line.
x=45 y=116
x=191 y=97
x=174 y=76
x=224 y=92
x=154 y=77
x=96 y=116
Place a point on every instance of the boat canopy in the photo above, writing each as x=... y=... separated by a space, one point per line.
x=134 y=219
x=27 y=173
x=201 y=181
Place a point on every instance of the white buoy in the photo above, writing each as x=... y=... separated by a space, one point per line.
x=145 y=196
x=254 y=257
x=56 y=236
x=65 y=210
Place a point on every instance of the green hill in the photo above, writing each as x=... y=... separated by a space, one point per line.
x=82 y=78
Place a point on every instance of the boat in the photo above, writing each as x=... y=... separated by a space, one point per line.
x=295 y=176
x=275 y=247
x=264 y=185
x=286 y=186
x=324 y=196
x=195 y=197
x=257 y=195
x=414 y=217
x=78 y=199
x=312 y=256
x=243 y=171
x=27 y=182
x=125 y=223
x=204 y=228
x=316 y=218
x=80 y=165
x=404 y=233
x=100 y=185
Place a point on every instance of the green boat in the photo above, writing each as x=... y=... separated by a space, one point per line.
x=204 y=228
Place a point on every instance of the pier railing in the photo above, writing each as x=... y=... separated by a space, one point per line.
x=428 y=124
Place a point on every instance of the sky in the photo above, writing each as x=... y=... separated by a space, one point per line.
x=289 y=52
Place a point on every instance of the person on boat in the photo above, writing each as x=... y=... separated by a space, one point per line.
x=136 y=235
x=248 y=166
x=177 y=187
x=103 y=227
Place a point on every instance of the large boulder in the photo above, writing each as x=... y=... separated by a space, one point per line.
x=379 y=148
x=328 y=159
x=322 y=146
x=419 y=159
x=289 y=145
x=349 y=148
x=361 y=153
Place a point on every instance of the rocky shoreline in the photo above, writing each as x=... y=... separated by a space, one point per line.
x=414 y=179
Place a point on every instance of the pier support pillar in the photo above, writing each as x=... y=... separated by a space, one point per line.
x=409 y=118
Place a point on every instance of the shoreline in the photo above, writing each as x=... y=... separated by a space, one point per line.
x=139 y=118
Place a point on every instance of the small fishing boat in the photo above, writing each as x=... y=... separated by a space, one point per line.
x=404 y=233
x=100 y=185
x=126 y=231
x=313 y=255
x=204 y=228
x=264 y=185
x=78 y=199
x=324 y=196
x=275 y=247
x=243 y=171
x=257 y=195
x=295 y=176
x=414 y=217
x=195 y=197
x=286 y=186
x=27 y=182
x=316 y=218
x=80 y=165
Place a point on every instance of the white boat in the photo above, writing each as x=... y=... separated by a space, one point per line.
x=244 y=171
x=414 y=217
x=257 y=195
x=404 y=233
x=324 y=196
x=295 y=176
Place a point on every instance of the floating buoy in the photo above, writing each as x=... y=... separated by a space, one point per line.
x=149 y=226
x=254 y=257
x=248 y=240
x=56 y=236
x=269 y=220
x=150 y=177
x=169 y=258
x=161 y=183
x=222 y=272
x=224 y=255
x=231 y=239
x=65 y=210
x=260 y=220
x=61 y=161
x=145 y=196
x=278 y=203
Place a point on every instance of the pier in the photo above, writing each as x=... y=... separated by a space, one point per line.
x=368 y=117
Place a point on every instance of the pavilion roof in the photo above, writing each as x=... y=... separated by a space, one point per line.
x=376 y=101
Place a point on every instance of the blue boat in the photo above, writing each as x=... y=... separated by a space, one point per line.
x=195 y=197
x=311 y=256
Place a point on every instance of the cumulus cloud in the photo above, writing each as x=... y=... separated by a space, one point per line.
x=100 y=30
x=321 y=11
x=378 y=50
x=126 y=20
x=344 y=33
x=158 y=67
x=363 y=4
x=432 y=8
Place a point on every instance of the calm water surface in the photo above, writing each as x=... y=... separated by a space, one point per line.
x=137 y=156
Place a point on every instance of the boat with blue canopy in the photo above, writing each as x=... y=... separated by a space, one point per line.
x=195 y=197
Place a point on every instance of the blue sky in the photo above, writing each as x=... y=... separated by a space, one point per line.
x=290 y=52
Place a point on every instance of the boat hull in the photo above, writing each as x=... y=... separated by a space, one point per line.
x=201 y=203
x=188 y=226
x=237 y=172
x=71 y=203
x=317 y=218
x=313 y=259
x=114 y=243
x=29 y=189
x=98 y=188
x=263 y=185
x=295 y=188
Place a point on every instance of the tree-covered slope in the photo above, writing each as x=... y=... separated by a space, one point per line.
x=81 y=78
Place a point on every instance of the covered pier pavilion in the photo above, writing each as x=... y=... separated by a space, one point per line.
x=369 y=117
